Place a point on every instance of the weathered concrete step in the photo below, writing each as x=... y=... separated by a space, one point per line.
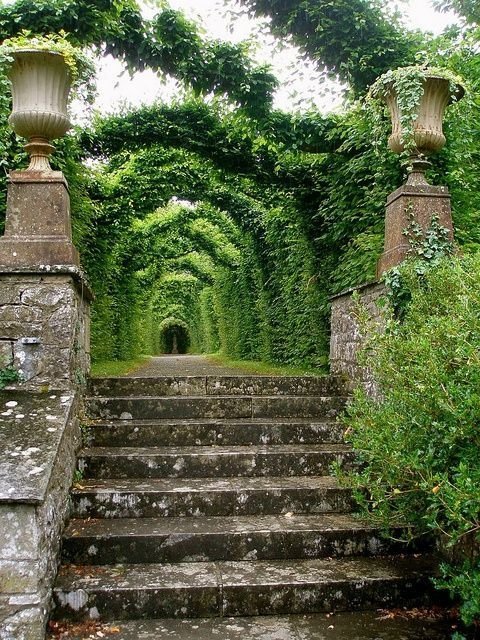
x=218 y=386
x=214 y=432
x=232 y=407
x=140 y=497
x=205 y=539
x=210 y=589
x=359 y=625
x=194 y=462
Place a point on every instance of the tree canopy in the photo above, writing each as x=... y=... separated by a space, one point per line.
x=357 y=40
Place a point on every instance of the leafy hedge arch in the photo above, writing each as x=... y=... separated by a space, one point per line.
x=300 y=197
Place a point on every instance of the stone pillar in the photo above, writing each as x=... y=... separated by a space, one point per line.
x=44 y=298
x=44 y=326
x=417 y=203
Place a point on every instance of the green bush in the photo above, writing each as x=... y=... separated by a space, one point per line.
x=418 y=442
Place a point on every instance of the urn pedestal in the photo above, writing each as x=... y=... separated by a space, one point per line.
x=417 y=201
x=38 y=229
x=44 y=298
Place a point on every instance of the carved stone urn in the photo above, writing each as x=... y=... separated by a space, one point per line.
x=41 y=82
x=428 y=134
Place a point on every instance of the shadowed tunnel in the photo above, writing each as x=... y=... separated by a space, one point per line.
x=174 y=338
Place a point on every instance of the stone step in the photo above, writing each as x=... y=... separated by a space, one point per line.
x=230 y=407
x=218 y=386
x=213 y=432
x=241 y=538
x=358 y=625
x=140 y=497
x=195 y=462
x=209 y=589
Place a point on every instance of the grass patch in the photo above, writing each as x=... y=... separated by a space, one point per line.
x=264 y=368
x=111 y=368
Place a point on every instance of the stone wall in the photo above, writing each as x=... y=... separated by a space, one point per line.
x=44 y=326
x=44 y=335
x=40 y=436
x=346 y=337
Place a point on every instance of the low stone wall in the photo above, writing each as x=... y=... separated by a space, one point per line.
x=44 y=326
x=346 y=337
x=40 y=435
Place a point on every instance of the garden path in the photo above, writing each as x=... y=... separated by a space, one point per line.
x=180 y=365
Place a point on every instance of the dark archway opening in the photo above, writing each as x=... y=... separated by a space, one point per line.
x=175 y=339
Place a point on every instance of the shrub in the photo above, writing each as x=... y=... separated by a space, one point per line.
x=418 y=443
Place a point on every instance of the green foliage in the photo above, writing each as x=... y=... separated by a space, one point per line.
x=289 y=208
x=427 y=248
x=168 y=44
x=354 y=39
x=209 y=66
x=467 y=8
x=418 y=441
x=463 y=582
x=307 y=225
x=9 y=375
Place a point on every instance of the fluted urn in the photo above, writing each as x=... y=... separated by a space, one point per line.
x=427 y=126
x=41 y=82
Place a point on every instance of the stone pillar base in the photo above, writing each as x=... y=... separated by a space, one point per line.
x=37 y=227
x=44 y=326
x=412 y=203
x=37 y=252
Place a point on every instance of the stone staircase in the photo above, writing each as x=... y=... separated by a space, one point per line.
x=211 y=496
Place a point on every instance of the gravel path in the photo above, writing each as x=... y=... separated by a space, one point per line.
x=185 y=366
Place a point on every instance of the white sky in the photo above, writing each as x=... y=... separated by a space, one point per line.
x=299 y=82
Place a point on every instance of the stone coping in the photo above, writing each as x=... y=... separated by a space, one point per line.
x=30 y=176
x=73 y=271
x=31 y=430
x=360 y=287
x=419 y=191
